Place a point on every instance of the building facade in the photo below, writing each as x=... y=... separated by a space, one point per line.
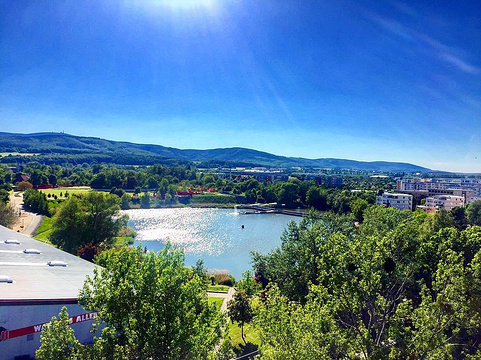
x=446 y=202
x=36 y=281
x=395 y=200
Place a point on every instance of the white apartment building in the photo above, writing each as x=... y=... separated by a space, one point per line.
x=446 y=202
x=398 y=201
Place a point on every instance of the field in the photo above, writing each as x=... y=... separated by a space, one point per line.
x=222 y=288
x=251 y=335
x=2 y=154
x=60 y=191
x=44 y=230
x=217 y=301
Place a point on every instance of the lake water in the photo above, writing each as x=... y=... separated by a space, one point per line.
x=214 y=235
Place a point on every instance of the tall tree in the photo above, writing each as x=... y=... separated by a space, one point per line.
x=58 y=341
x=240 y=311
x=152 y=305
x=93 y=218
x=473 y=212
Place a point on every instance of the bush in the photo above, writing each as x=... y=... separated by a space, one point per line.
x=223 y=279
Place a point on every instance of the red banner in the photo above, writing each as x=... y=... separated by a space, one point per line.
x=10 y=334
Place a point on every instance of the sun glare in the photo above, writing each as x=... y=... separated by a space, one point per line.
x=187 y=4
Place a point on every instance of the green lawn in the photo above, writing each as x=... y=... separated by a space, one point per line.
x=222 y=288
x=251 y=335
x=71 y=191
x=217 y=301
x=16 y=154
x=44 y=230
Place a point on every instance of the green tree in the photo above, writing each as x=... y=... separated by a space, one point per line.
x=153 y=306
x=289 y=331
x=316 y=199
x=94 y=219
x=145 y=200
x=473 y=212
x=248 y=284
x=294 y=265
x=403 y=285
x=287 y=193
x=125 y=201
x=36 y=201
x=58 y=341
x=240 y=311
x=357 y=208
x=7 y=215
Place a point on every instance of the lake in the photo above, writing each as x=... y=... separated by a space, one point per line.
x=214 y=235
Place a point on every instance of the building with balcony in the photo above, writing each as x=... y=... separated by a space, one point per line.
x=446 y=202
x=395 y=200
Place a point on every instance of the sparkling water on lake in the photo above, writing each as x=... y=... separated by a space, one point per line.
x=214 y=235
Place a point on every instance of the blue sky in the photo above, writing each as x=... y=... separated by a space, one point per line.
x=369 y=80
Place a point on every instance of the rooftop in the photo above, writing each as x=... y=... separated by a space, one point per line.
x=38 y=271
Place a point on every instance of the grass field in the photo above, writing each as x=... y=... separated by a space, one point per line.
x=44 y=230
x=16 y=154
x=217 y=301
x=222 y=288
x=250 y=334
x=71 y=190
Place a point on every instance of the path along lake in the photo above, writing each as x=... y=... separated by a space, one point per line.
x=214 y=235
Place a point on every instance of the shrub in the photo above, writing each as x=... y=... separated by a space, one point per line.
x=223 y=279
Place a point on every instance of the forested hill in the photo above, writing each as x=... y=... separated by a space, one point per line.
x=59 y=147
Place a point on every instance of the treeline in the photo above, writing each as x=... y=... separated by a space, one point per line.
x=166 y=181
x=36 y=201
x=7 y=214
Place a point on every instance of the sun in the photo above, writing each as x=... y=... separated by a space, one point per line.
x=187 y=4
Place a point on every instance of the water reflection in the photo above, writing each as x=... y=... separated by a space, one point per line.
x=215 y=235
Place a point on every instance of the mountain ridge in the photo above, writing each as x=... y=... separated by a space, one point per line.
x=51 y=146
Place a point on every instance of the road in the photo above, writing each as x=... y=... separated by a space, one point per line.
x=227 y=296
x=26 y=222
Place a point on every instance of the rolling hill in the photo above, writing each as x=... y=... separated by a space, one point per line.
x=61 y=148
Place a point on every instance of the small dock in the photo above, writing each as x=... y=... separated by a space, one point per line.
x=253 y=210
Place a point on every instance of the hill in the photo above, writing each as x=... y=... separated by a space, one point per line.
x=60 y=148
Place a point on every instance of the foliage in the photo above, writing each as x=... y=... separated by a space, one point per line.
x=145 y=200
x=93 y=218
x=248 y=284
x=24 y=185
x=240 y=311
x=403 y=285
x=357 y=207
x=36 y=201
x=57 y=340
x=152 y=305
x=7 y=215
x=213 y=199
x=473 y=213
x=294 y=266
x=289 y=331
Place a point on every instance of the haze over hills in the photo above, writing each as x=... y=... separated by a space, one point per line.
x=60 y=147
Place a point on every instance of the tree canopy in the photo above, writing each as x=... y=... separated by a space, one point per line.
x=401 y=285
x=90 y=219
x=153 y=307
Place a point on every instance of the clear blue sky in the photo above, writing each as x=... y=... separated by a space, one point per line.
x=363 y=80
